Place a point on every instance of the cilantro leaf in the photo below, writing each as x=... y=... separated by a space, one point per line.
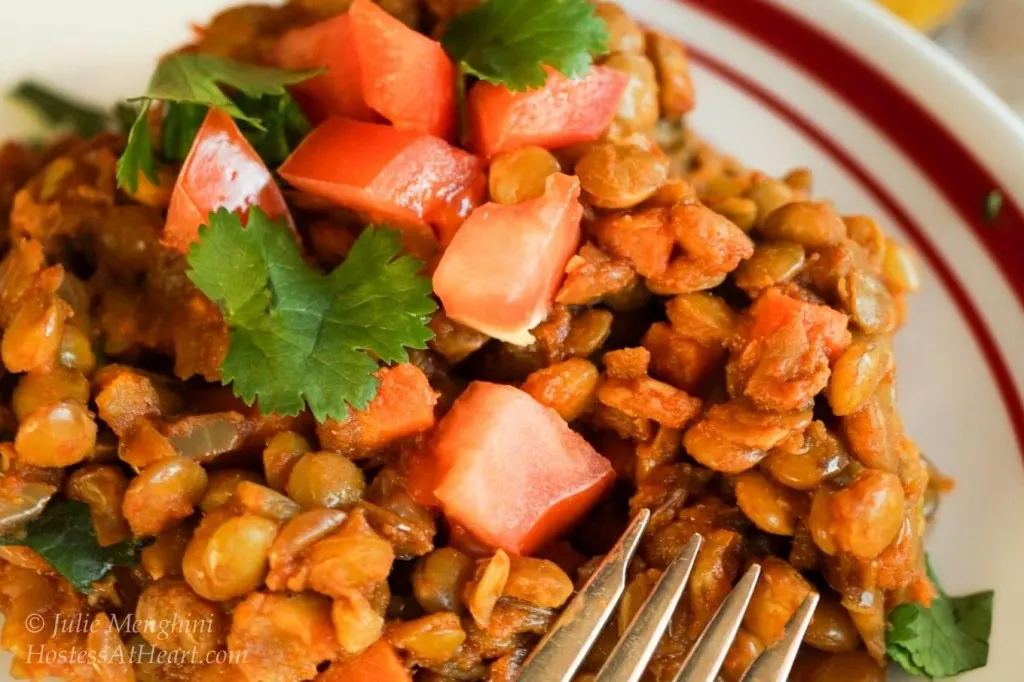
x=284 y=126
x=64 y=535
x=60 y=110
x=181 y=123
x=301 y=337
x=508 y=42
x=190 y=84
x=946 y=639
x=198 y=79
x=125 y=114
x=138 y=156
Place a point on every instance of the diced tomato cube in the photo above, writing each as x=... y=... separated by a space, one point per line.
x=379 y=663
x=825 y=327
x=403 y=407
x=222 y=170
x=407 y=77
x=397 y=176
x=512 y=472
x=501 y=271
x=339 y=91
x=563 y=111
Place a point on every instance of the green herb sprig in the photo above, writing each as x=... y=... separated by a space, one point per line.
x=60 y=110
x=299 y=337
x=946 y=639
x=191 y=83
x=509 y=42
x=64 y=535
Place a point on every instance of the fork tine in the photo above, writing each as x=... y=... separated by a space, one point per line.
x=708 y=652
x=774 y=665
x=629 y=658
x=561 y=652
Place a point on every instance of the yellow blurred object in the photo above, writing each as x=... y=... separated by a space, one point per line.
x=923 y=14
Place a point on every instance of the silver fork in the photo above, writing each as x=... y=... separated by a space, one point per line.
x=558 y=656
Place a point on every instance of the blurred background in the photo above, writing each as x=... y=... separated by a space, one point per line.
x=987 y=35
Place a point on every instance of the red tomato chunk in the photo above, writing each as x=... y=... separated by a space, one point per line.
x=222 y=170
x=407 y=77
x=501 y=271
x=394 y=175
x=564 y=111
x=338 y=91
x=511 y=471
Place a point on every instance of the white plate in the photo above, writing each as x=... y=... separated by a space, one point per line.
x=891 y=126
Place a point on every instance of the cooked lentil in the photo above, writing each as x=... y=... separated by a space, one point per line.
x=722 y=337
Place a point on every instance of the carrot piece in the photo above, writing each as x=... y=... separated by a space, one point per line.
x=423 y=474
x=825 y=326
x=379 y=663
x=643 y=238
x=403 y=407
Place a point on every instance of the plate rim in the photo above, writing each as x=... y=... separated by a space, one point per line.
x=845 y=20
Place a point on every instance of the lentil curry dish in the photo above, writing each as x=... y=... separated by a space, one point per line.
x=359 y=342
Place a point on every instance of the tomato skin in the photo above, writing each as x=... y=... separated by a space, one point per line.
x=339 y=91
x=449 y=219
x=222 y=170
x=399 y=176
x=527 y=244
x=493 y=449
x=379 y=663
x=407 y=77
x=563 y=111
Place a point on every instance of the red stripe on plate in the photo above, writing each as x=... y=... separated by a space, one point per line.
x=937 y=153
x=982 y=334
